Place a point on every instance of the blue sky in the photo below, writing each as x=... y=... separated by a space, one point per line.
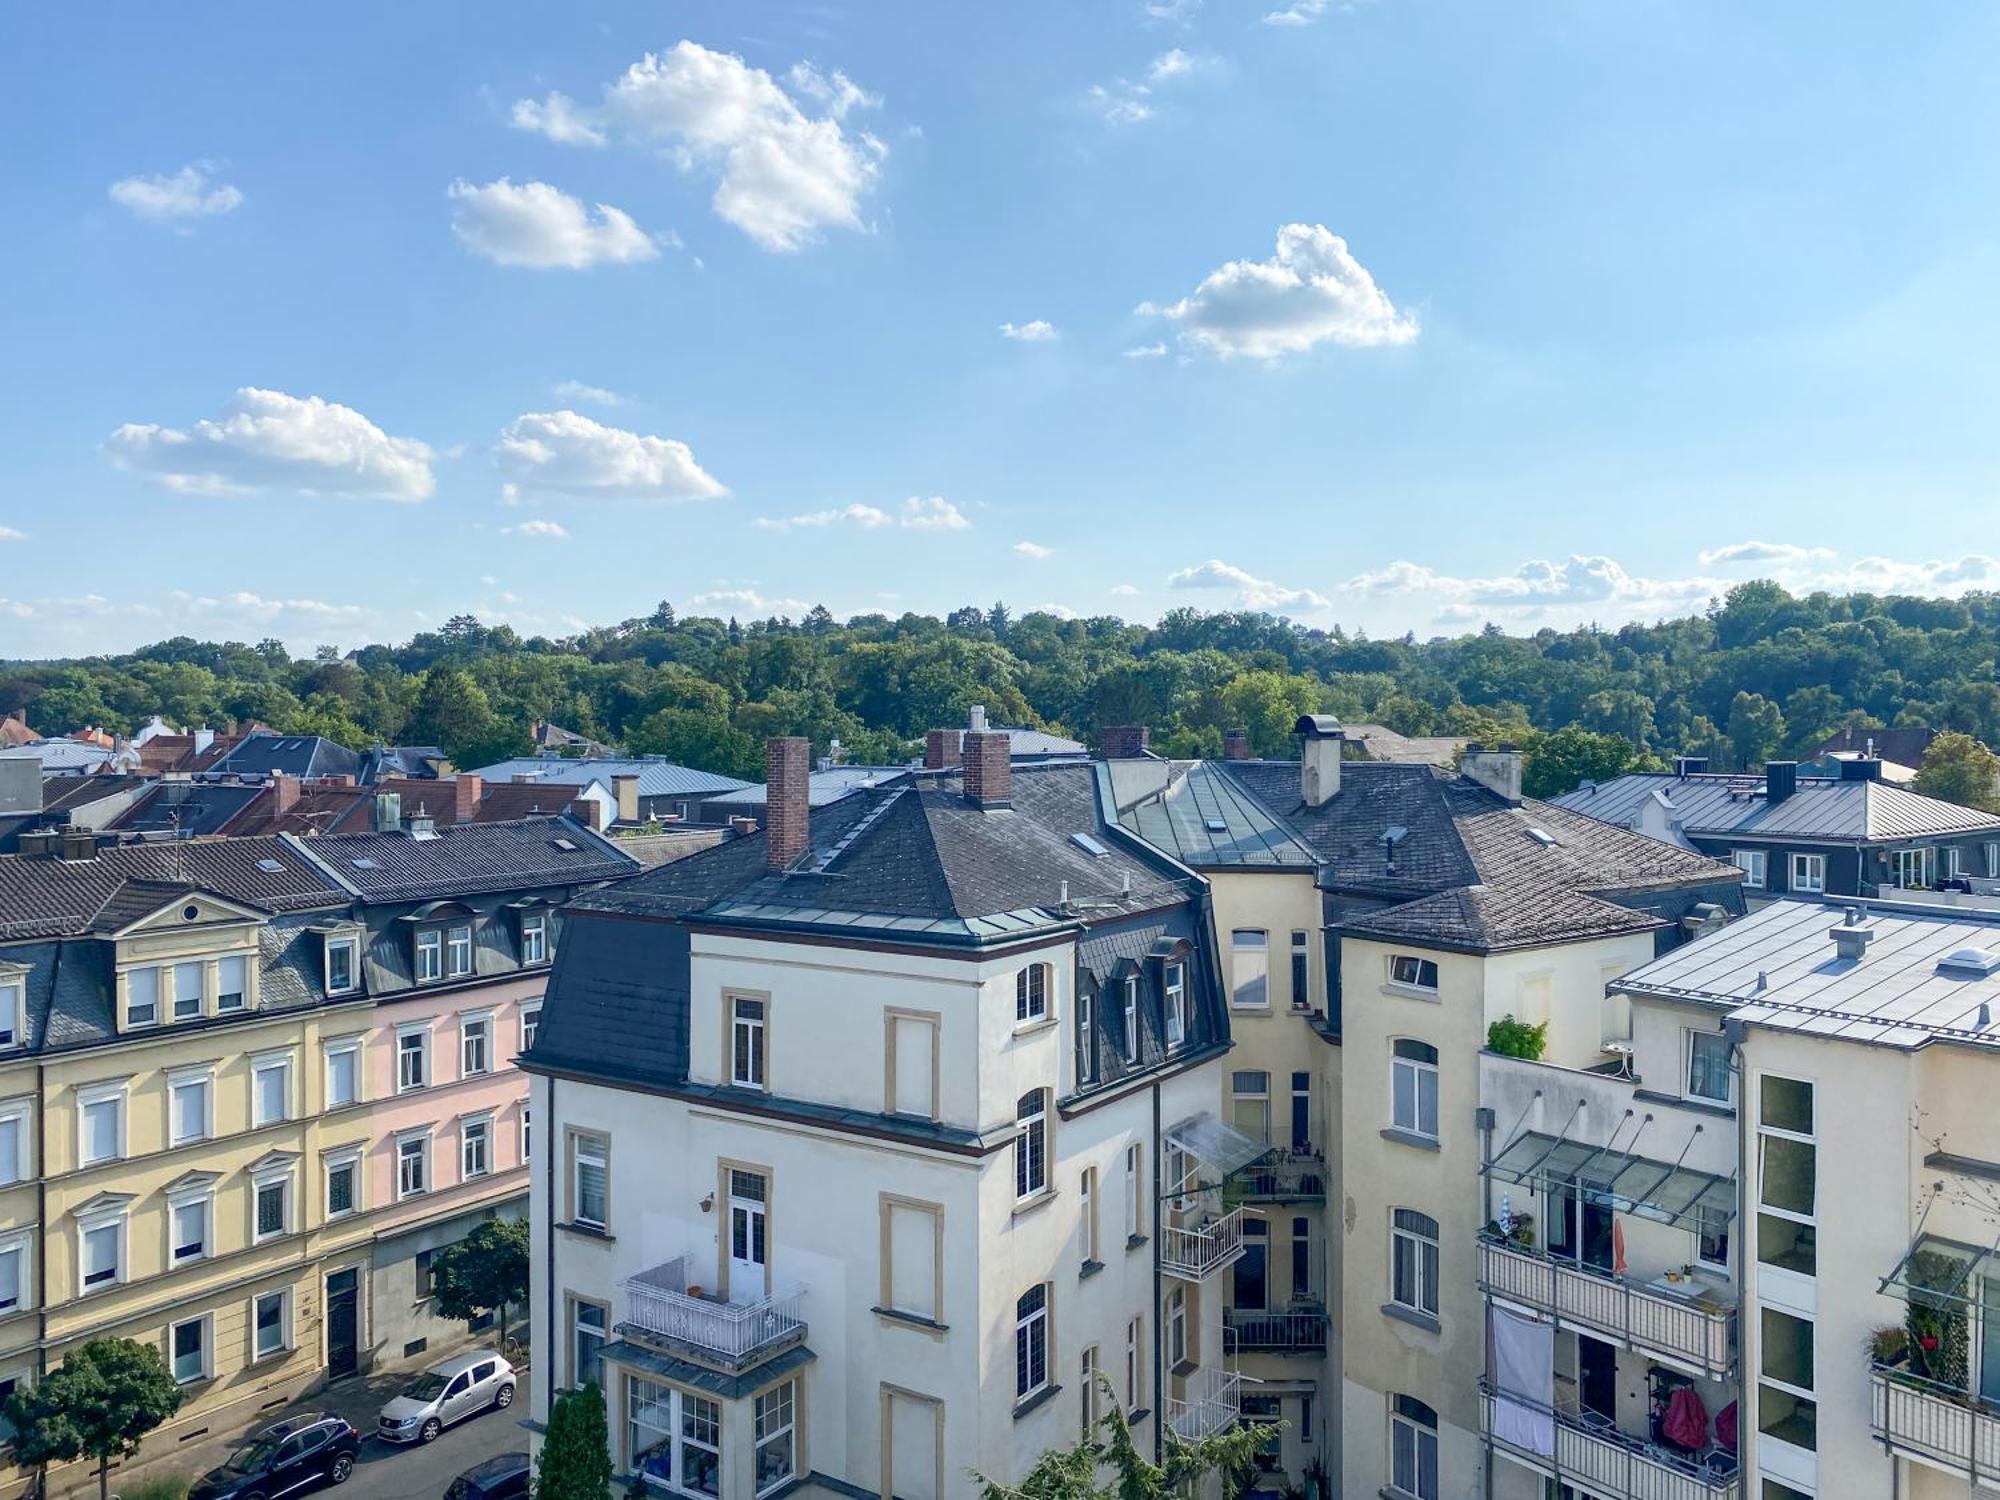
x=1404 y=314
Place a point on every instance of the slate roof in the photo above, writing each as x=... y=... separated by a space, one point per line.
x=658 y=777
x=1379 y=742
x=467 y=859
x=63 y=754
x=59 y=793
x=822 y=787
x=43 y=897
x=187 y=809
x=1850 y=812
x=302 y=755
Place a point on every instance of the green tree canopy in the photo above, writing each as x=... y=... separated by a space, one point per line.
x=100 y=1403
x=576 y=1453
x=1555 y=763
x=485 y=1272
x=1105 y=1464
x=1959 y=769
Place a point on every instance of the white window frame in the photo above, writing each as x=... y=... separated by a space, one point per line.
x=429 y=957
x=199 y=969
x=242 y=992
x=750 y=1039
x=286 y=1180
x=531 y=1023
x=116 y=1221
x=1916 y=868
x=272 y=1062
x=202 y=1198
x=1177 y=1340
x=1249 y=969
x=349 y=1158
x=421 y=1139
x=421 y=1030
x=1301 y=969
x=475 y=1027
x=202 y=1078
x=132 y=1022
x=1245 y=1087
x=1696 y=1039
x=475 y=1128
x=1767 y=1132
x=535 y=936
x=1755 y=865
x=348 y=1046
x=205 y=1322
x=1808 y=873
x=86 y=1099
x=1135 y=1365
x=1086 y=1036
x=351 y=945
x=22 y=1113
x=527 y=1134
x=1422 y=1249
x=1086 y=1216
x=1031 y=1145
x=1032 y=998
x=1808 y=1394
x=1421 y=1434
x=1422 y=1088
x=1135 y=1168
x=1993 y=861
x=1407 y=970
x=1175 y=1000
x=1086 y=1377
x=599 y=1152
x=283 y=1296
x=460 y=951
x=21 y=1245
x=1032 y=1341
x=1131 y=1037
x=781 y=1402
x=13 y=1011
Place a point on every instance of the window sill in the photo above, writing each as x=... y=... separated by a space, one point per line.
x=1410 y=1315
x=1135 y=1242
x=1035 y=1402
x=1249 y=1010
x=588 y=1231
x=1025 y=1206
x=1137 y=1415
x=1183 y=1369
x=910 y=1320
x=1089 y=1269
x=1410 y=991
x=1410 y=1138
x=1035 y=1027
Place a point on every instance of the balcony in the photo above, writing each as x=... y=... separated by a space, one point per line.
x=1588 y=1453
x=1210 y=1401
x=1285 y=1177
x=1650 y=1320
x=1197 y=1251
x=1937 y=1425
x=663 y=1306
x=1299 y=1329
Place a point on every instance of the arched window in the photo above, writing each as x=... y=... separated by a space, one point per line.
x=1413 y=1448
x=1031 y=1341
x=1031 y=1144
x=1413 y=1261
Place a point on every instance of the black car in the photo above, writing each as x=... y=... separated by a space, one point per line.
x=502 y=1478
x=284 y=1459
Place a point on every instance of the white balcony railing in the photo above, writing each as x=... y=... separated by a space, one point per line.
x=1592 y=1455
x=1933 y=1423
x=1197 y=1251
x=663 y=1304
x=1675 y=1329
x=1210 y=1401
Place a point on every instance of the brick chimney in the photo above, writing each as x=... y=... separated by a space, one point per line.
x=1235 y=744
x=989 y=770
x=787 y=781
x=466 y=792
x=589 y=812
x=1123 y=741
x=284 y=794
x=943 y=749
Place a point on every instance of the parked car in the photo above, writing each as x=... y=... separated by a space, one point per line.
x=449 y=1390
x=503 y=1478
x=283 y=1459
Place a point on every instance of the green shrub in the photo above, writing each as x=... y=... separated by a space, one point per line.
x=156 y=1487
x=1512 y=1038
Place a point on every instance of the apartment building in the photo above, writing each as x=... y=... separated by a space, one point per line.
x=876 y=1137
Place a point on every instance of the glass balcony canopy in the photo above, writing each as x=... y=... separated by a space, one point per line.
x=1665 y=1191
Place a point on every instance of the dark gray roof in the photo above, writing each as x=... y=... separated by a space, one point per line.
x=1202 y=815
x=263 y=754
x=617 y=999
x=187 y=809
x=1850 y=812
x=822 y=787
x=43 y=897
x=467 y=858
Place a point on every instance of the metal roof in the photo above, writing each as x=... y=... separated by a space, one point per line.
x=1821 y=808
x=1200 y=815
x=822 y=787
x=657 y=777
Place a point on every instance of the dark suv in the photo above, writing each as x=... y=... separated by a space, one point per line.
x=502 y=1478
x=283 y=1459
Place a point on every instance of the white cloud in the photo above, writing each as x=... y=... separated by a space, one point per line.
x=561 y=454
x=1170 y=10
x=1060 y=611
x=782 y=176
x=1040 y=331
x=747 y=601
x=1169 y=65
x=867 y=517
x=187 y=195
x=596 y=395
x=269 y=442
x=548 y=531
x=1311 y=291
x=934 y=514
x=1298 y=13
x=1033 y=551
x=1252 y=592
x=544 y=228
x=1884 y=575
x=1146 y=351
x=9 y=534
x=1125 y=590
x=1762 y=552
x=1540 y=585
x=1120 y=103
x=244 y=605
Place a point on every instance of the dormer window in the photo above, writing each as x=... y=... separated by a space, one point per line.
x=187 y=990
x=12 y=1007
x=458 y=952
x=430 y=956
x=535 y=937
x=1178 y=1017
x=232 y=983
x=342 y=965
x=142 y=997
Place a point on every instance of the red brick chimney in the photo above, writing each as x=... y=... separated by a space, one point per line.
x=989 y=770
x=1235 y=744
x=787 y=778
x=284 y=794
x=466 y=790
x=943 y=749
x=1122 y=741
x=588 y=812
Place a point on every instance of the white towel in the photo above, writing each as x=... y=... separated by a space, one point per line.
x=1522 y=1365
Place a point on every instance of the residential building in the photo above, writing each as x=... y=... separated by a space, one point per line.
x=647 y=789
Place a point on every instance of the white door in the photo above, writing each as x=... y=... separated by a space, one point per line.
x=749 y=1250
x=912 y=1459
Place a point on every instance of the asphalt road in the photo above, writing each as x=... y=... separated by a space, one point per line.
x=393 y=1471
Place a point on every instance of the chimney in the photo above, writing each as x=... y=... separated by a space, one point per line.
x=989 y=770
x=589 y=812
x=1235 y=744
x=1851 y=935
x=975 y=719
x=79 y=844
x=625 y=788
x=203 y=738
x=422 y=824
x=787 y=803
x=1320 y=737
x=284 y=794
x=1690 y=765
x=742 y=827
x=943 y=749
x=1869 y=769
x=1123 y=741
x=466 y=793
x=1498 y=770
x=1781 y=779
x=388 y=812
x=40 y=843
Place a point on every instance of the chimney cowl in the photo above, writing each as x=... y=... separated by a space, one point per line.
x=1851 y=935
x=975 y=719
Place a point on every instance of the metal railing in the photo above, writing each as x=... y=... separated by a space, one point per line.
x=1595 y=1456
x=1937 y=1423
x=1195 y=1252
x=1651 y=1323
x=1210 y=1401
x=1298 y=1329
x=663 y=1304
x=1286 y=1176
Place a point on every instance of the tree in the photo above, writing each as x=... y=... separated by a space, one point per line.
x=1756 y=729
x=576 y=1453
x=484 y=1272
x=1072 y=1473
x=1555 y=763
x=99 y=1403
x=1957 y=768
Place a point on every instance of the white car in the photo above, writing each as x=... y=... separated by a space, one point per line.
x=461 y=1386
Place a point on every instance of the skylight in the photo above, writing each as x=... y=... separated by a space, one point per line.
x=1543 y=837
x=1217 y=825
x=566 y=845
x=1973 y=961
x=364 y=863
x=270 y=866
x=1089 y=845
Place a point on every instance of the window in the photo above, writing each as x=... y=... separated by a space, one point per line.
x=1916 y=867
x=475 y=1149
x=1301 y=971
x=430 y=956
x=14 y=1142
x=531 y=1022
x=413 y=1165
x=1250 y=1103
x=273 y=1207
x=343 y=1184
x=270 y=1091
x=343 y=1073
x=103 y=1247
x=700 y=1445
x=13 y=1273
x=1031 y=1342
x=649 y=1428
x=1413 y=1259
x=190 y=1349
x=475 y=1045
x=1177 y=1339
x=1086 y=1221
x=746 y=1043
x=1129 y=1031
x=1135 y=1222
x=341 y=966
x=1267 y=1410
x=1993 y=861
x=589 y=1325
x=1176 y=1005
x=1086 y=1379
x=101 y=1122
x=1414 y=973
x=1031 y=1144
x=1249 y=969
x=188 y=1099
x=1948 y=858
x=10 y=1013
x=1752 y=863
x=1712 y=1238
x=1302 y=1112
x=1413 y=1449
x=589 y=1180
x=1413 y=1088
x=188 y=1222
x=1250 y=1277
x=142 y=997
x=1031 y=993
x=775 y=1414
x=1086 y=1036
x=413 y=1050
x=1708 y=1066
x=535 y=938
x=1787 y=1173
x=527 y=1135
x=187 y=990
x=1809 y=872
x=1785 y=1406
x=1302 y=1276
x=268 y=1320
x=1135 y=1357
x=458 y=952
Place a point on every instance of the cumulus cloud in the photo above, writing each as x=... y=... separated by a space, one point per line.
x=1033 y=551
x=747 y=601
x=178 y=200
x=1060 y=611
x=1170 y=10
x=933 y=514
x=1169 y=65
x=1311 y=291
x=596 y=395
x=9 y=534
x=548 y=531
x=542 y=227
x=867 y=517
x=782 y=175
x=1251 y=591
x=1146 y=351
x=1539 y=585
x=564 y=455
x=1041 y=331
x=1762 y=552
x=1886 y=575
x=1126 y=101
x=1125 y=590
x=265 y=442
x=1298 y=13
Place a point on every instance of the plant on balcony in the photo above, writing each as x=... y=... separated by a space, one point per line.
x=1939 y=1336
x=1888 y=1345
x=1512 y=1038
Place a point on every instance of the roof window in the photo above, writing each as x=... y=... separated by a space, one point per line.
x=1978 y=962
x=271 y=866
x=1543 y=837
x=1089 y=845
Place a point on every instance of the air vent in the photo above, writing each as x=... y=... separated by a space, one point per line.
x=1976 y=963
x=1394 y=834
x=1543 y=837
x=1216 y=825
x=1090 y=845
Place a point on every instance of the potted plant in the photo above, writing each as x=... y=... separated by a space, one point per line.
x=1888 y=1346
